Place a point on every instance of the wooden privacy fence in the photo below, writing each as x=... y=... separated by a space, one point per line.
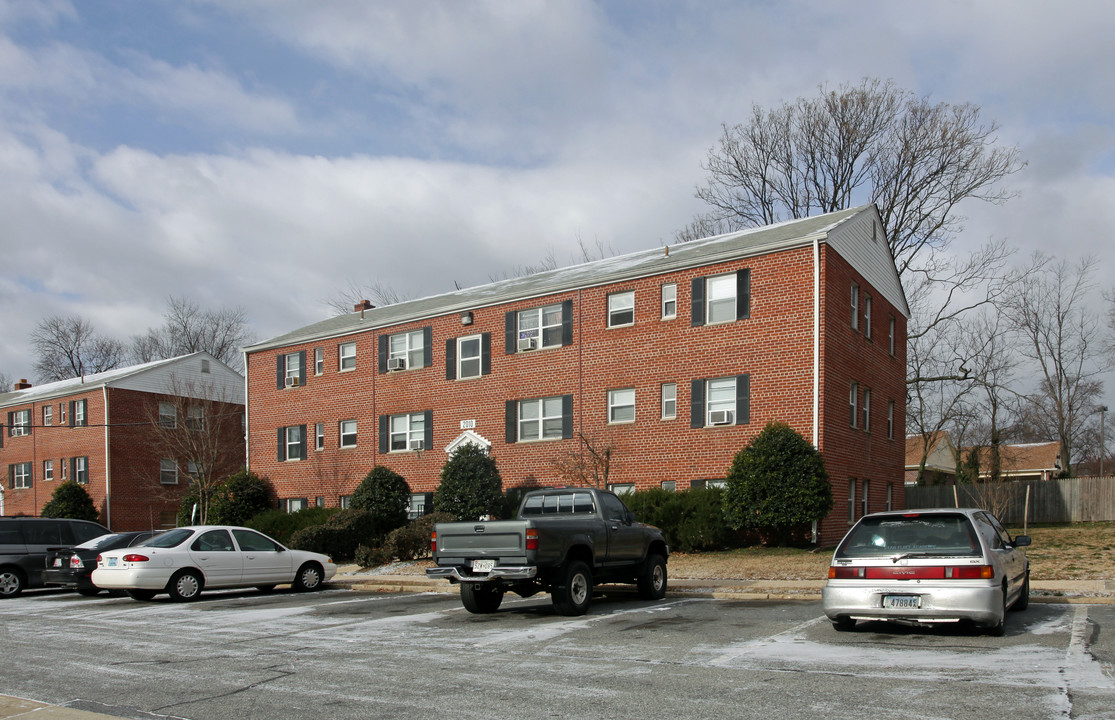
x=1085 y=499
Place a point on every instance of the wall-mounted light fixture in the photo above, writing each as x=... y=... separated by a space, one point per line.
x=466 y=318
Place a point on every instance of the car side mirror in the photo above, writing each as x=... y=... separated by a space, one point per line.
x=629 y=517
x=1022 y=541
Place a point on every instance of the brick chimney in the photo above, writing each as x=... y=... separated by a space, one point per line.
x=361 y=306
x=22 y=384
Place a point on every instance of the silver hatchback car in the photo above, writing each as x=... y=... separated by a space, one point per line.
x=925 y=567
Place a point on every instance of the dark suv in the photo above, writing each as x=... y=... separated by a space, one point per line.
x=25 y=543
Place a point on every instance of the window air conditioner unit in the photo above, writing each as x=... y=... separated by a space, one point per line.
x=291 y=381
x=720 y=417
x=397 y=364
x=528 y=344
x=418 y=445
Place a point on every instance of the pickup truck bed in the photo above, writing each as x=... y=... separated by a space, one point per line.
x=564 y=541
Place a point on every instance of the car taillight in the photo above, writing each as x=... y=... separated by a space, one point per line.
x=76 y=563
x=433 y=541
x=135 y=557
x=532 y=539
x=919 y=572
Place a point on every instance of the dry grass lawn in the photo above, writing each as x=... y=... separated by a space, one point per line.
x=1081 y=551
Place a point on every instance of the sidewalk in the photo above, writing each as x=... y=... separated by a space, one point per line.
x=13 y=707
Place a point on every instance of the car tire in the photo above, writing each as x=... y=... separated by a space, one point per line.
x=1023 y=600
x=652 y=582
x=480 y=598
x=89 y=592
x=574 y=595
x=12 y=582
x=141 y=595
x=844 y=624
x=185 y=586
x=309 y=578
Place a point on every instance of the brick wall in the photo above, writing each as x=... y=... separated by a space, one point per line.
x=773 y=346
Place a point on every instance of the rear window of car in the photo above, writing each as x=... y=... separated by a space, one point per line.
x=571 y=503
x=937 y=534
x=171 y=538
x=104 y=542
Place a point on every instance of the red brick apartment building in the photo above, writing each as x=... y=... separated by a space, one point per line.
x=108 y=432
x=674 y=357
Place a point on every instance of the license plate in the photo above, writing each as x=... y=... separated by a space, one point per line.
x=902 y=602
x=483 y=566
x=112 y=562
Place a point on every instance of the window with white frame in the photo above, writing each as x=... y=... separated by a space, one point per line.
x=867 y=316
x=293 y=505
x=867 y=410
x=407 y=349
x=621 y=308
x=890 y=420
x=345 y=502
x=62 y=412
x=19 y=475
x=319 y=436
x=890 y=496
x=407 y=432
x=669 y=401
x=469 y=356
x=346 y=353
x=48 y=415
x=168 y=415
x=292 y=369
x=541 y=419
x=48 y=470
x=720 y=298
x=863 y=496
x=195 y=417
x=63 y=467
x=853 y=402
x=418 y=505
x=855 y=306
x=81 y=470
x=622 y=488
x=851 y=501
x=168 y=471
x=192 y=470
x=294 y=442
x=348 y=433
x=720 y=401
x=890 y=335
x=80 y=418
x=319 y=361
x=543 y=324
x=669 y=301
x=621 y=405
x=670 y=485
x=20 y=423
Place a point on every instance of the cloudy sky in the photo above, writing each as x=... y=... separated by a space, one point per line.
x=265 y=154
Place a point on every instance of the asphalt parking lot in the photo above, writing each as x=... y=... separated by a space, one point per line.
x=345 y=654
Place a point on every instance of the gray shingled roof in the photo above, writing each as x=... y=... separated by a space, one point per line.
x=644 y=263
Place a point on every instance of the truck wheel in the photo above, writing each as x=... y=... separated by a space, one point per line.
x=652 y=581
x=573 y=596
x=480 y=598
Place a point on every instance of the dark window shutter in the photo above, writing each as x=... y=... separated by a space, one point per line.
x=743 y=294
x=301 y=442
x=384 y=424
x=71 y=413
x=567 y=322
x=511 y=422
x=282 y=444
x=4 y=430
x=301 y=367
x=698 y=302
x=382 y=354
x=428 y=437
x=486 y=354
x=697 y=404
x=451 y=359
x=427 y=346
x=11 y=477
x=509 y=331
x=743 y=399
x=566 y=416
x=280 y=371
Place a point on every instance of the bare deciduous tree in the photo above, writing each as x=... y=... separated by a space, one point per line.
x=870 y=142
x=189 y=328
x=589 y=464
x=69 y=347
x=1062 y=337
x=376 y=292
x=6 y=383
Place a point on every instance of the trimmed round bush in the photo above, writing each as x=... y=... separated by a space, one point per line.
x=470 y=485
x=71 y=500
x=385 y=495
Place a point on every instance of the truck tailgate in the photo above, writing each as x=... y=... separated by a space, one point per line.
x=472 y=539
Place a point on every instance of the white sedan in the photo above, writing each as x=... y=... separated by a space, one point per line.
x=186 y=560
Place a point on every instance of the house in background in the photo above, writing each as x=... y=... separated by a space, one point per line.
x=671 y=359
x=1025 y=461
x=112 y=432
x=940 y=459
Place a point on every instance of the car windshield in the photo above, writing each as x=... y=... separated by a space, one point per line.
x=171 y=538
x=910 y=536
x=103 y=542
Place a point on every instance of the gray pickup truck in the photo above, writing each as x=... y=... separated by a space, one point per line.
x=564 y=541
